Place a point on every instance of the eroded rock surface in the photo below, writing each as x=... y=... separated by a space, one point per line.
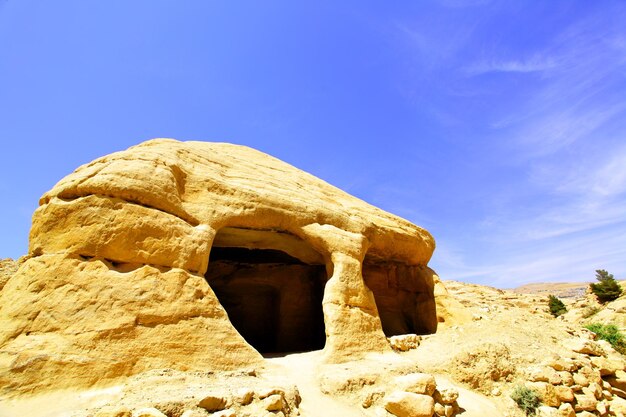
x=119 y=279
x=8 y=267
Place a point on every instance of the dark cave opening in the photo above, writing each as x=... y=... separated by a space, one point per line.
x=405 y=302
x=273 y=299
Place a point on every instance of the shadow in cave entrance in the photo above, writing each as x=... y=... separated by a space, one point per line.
x=274 y=300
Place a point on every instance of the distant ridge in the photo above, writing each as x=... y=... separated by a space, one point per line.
x=558 y=289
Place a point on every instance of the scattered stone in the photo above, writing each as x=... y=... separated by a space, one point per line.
x=594 y=389
x=244 y=396
x=274 y=402
x=620 y=393
x=266 y=392
x=585 y=402
x=565 y=394
x=593 y=375
x=587 y=347
x=446 y=395
x=618 y=406
x=408 y=404
x=213 y=403
x=547 y=392
x=602 y=408
x=225 y=413
x=566 y=410
x=545 y=411
x=580 y=379
x=171 y=408
x=417 y=383
x=566 y=378
x=371 y=398
x=545 y=374
x=618 y=380
x=451 y=409
x=147 y=412
x=606 y=347
x=404 y=342
x=560 y=364
x=607 y=366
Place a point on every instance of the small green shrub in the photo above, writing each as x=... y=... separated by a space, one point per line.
x=556 y=306
x=527 y=399
x=610 y=333
x=607 y=289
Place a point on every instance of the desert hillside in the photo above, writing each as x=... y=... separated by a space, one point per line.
x=559 y=289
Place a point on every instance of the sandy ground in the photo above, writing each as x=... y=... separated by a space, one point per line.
x=472 y=403
x=60 y=403
x=301 y=369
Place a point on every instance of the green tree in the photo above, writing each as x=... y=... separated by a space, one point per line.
x=606 y=289
x=556 y=306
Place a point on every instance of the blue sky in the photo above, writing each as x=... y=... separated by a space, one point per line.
x=498 y=126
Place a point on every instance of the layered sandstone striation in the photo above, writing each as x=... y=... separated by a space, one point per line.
x=195 y=256
x=7 y=268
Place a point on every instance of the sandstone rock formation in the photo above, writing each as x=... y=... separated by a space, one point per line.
x=195 y=256
x=7 y=268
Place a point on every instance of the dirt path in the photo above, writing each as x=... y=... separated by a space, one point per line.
x=300 y=368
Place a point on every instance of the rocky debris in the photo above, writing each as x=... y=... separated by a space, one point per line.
x=185 y=394
x=147 y=412
x=408 y=404
x=517 y=341
x=482 y=364
x=446 y=396
x=584 y=346
x=583 y=384
x=389 y=385
x=214 y=402
x=372 y=397
x=413 y=394
x=417 y=383
x=274 y=403
x=404 y=342
x=244 y=396
x=225 y=413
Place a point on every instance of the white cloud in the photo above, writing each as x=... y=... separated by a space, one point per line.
x=572 y=259
x=560 y=143
x=536 y=63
